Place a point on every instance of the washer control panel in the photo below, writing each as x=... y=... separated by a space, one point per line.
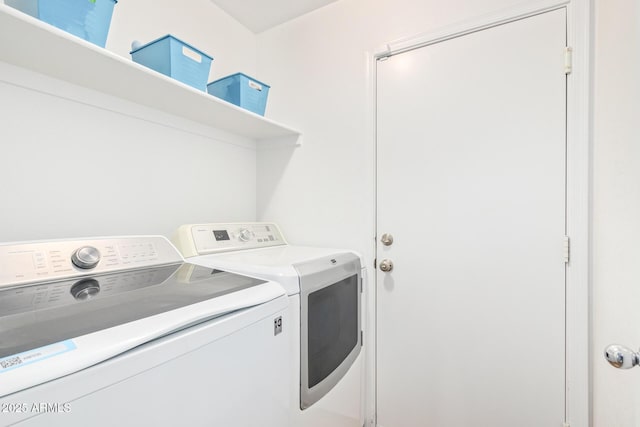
x=37 y=261
x=201 y=239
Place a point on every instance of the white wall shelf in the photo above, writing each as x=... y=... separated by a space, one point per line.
x=40 y=47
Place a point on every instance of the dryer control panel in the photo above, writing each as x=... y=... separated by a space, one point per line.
x=202 y=239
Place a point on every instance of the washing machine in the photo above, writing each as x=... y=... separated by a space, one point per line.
x=325 y=291
x=121 y=331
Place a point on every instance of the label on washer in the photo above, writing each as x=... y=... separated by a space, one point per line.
x=36 y=355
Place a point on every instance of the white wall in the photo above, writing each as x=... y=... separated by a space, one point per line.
x=75 y=163
x=616 y=208
x=321 y=193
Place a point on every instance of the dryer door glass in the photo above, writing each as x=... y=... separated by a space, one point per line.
x=333 y=327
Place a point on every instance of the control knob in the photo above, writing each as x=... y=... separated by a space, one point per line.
x=86 y=257
x=244 y=235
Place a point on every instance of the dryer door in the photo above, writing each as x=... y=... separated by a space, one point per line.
x=330 y=337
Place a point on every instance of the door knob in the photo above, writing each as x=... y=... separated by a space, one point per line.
x=621 y=357
x=386 y=239
x=386 y=265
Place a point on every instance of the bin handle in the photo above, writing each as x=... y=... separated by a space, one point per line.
x=254 y=85
x=191 y=54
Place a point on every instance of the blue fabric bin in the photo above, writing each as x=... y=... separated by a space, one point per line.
x=174 y=58
x=87 y=19
x=241 y=90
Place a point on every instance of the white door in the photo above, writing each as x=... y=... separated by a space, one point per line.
x=471 y=185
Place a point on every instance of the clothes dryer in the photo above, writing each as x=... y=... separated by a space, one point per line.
x=325 y=292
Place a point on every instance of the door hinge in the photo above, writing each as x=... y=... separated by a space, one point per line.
x=566 y=249
x=568 y=60
x=361 y=338
x=375 y=263
x=361 y=284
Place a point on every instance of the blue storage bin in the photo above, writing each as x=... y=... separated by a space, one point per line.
x=241 y=90
x=174 y=58
x=87 y=19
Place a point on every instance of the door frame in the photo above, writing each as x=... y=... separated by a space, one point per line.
x=578 y=191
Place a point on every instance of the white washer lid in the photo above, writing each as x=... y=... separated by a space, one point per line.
x=38 y=365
